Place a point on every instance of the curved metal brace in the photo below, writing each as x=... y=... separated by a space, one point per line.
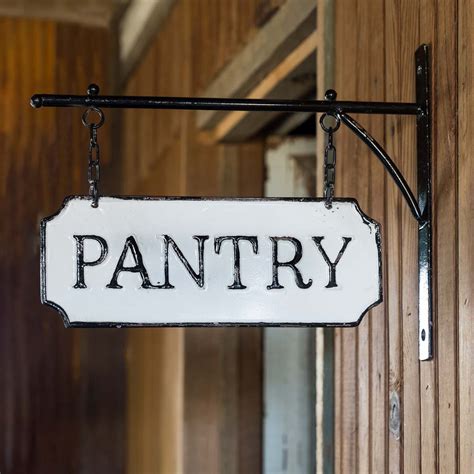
x=386 y=161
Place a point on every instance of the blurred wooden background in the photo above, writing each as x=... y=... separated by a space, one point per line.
x=61 y=392
x=176 y=400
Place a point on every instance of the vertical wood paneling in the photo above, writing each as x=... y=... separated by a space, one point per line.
x=374 y=87
x=409 y=40
x=360 y=189
x=428 y=394
x=436 y=431
x=465 y=257
x=392 y=239
x=445 y=143
x=346 y=180
x=59 y=388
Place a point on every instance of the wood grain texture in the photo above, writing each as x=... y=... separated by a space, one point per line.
x=347 y=363
x=409 y=41
x=96 y=13
x=374 y=86
x=61 y=390
x=436 y=422
x=445 y=242
x=428 y=371
x=465 y=257
x=393 y=203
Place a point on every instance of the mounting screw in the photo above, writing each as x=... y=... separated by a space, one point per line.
x=331 y=94
x=93 y=89
x=419 y=70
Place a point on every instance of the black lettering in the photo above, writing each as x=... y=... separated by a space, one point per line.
x=198 y=277
x=291 y=264
x=139 y=267
x=237 y=284
x=81 y=263
x=332 y=265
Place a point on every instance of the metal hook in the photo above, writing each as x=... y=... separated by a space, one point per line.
x=330 y=128
x=94 y=125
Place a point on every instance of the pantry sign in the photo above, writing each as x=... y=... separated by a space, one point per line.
x=197 y=262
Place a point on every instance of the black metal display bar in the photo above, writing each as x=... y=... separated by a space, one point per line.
x=202 y=103
x=420 y=206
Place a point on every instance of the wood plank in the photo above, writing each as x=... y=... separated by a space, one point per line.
x=393 y=203
x=360 y=189
x=272 y=43
x=372 y=85
x=293 y=78
x=445 y=237
x=428 y=370
x=465 y=257
x=409 y=39
x=345 y=48
x=155 y=362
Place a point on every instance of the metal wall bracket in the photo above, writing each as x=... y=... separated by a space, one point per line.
x=420 y=207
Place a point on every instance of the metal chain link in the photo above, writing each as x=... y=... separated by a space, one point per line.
x=93 y=170
x=329 y=170
x=329 y=158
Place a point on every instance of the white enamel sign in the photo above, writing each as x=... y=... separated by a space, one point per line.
x=180 y=261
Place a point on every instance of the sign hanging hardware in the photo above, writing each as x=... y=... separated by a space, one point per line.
x=329 y=151
x=131 y=262
x=93 y=167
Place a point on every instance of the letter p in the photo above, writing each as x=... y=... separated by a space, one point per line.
x=81 y=263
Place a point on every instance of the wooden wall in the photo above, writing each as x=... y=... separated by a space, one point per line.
x=374 y=47
x=61 y=397
x=194 y=396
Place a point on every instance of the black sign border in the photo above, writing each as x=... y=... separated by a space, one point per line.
x=79 y=324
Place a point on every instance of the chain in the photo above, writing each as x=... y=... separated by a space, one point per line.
x=329 y=170
x=329 y=157
x=93 y=171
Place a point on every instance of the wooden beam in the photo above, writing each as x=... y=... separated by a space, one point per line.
x=138 y=27
x=294 y=21
x=293 y=78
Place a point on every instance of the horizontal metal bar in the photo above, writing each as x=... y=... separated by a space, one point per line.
x=202 y=103
x=387 y=162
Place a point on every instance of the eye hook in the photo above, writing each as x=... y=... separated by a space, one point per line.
x=334 y=117
x=89 y=124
